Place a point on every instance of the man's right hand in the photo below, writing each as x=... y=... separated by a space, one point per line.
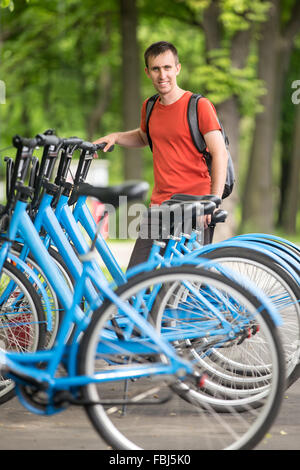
x=109 y=139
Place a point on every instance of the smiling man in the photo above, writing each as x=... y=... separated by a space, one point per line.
x=177 y=164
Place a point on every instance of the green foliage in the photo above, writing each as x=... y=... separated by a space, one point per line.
x=7 y=4
x=55 y=55
x=238 y=15
x=55 y=51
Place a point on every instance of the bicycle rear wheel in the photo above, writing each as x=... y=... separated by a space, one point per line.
x=193 y=423
x=278 y=285
x=22 y=320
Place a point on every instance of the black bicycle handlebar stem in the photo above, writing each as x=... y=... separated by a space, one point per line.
x=87 y=153
x=52 y=145
x=68 y=148
x=9 y=171
x=86 y=156
x=25 y=148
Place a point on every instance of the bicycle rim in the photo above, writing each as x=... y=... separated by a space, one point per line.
x=193 y=423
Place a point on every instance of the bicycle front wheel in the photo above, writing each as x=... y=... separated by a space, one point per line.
x=141 y=419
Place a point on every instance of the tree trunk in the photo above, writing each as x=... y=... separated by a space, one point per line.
x=131 y=99
x=258 y=193
x=103 y=97
x=228 y=111
x=230 y=117
x=291 y=205
x=102 y=91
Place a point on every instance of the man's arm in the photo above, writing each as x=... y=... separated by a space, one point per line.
x=135 y=138
x=216 y=146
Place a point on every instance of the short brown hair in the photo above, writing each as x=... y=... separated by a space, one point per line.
x=158 y=48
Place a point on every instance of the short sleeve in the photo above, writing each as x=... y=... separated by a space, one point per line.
x=143 y=117
x=207 y=116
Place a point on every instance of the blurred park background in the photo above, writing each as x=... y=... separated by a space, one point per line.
x=77 y=66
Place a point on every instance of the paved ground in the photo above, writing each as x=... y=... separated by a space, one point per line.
x=71 y=429
x=121 y=251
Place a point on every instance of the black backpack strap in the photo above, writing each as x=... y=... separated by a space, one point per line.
x=149 y=107
x=200 y=144
x=192 y=117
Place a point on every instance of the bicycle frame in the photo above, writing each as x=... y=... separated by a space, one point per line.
x=91 y=284
x=81 y=214
x=48 y=220
x=22 y=364
x=176 y=251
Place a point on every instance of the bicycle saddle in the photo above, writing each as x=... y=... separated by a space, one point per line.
x=190 y=197
x=133 y=190
x=170 y=219
x=208 y=206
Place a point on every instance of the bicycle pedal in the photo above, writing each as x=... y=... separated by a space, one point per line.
x=63 y=398
x=199 y=379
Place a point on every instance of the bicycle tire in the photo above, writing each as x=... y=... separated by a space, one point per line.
x=174 y=429
x=278 y=285
x=56 y=307
x=235 y=370
x=284 y=246
x=20 y=330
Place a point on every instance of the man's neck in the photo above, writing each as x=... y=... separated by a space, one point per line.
x=171 y=97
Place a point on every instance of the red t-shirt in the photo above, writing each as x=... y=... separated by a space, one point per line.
x=178 y=166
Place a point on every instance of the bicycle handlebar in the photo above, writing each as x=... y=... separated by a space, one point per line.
x=47 y=139
x=20 y=142
x=92 y=148
x=71 y=141
x=101 y=147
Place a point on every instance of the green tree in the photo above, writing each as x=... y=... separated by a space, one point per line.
x=289 y=148
x=131 y=84
x=275 y=45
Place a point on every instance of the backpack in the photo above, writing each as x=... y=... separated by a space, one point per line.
x=198 y=139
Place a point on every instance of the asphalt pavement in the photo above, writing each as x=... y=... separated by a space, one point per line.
x=71 y=430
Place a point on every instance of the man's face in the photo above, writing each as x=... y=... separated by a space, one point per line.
x=163 y=70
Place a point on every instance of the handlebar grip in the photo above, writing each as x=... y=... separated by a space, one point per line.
x=208 y=207
x=87 y=146
x=102 y=145
x=48 y=139
x=72 y=141
x=219 y=216
x=19 y=142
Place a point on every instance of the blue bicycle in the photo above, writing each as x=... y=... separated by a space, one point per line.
x=271 y=268
x=117 y=364
x=44 y=219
